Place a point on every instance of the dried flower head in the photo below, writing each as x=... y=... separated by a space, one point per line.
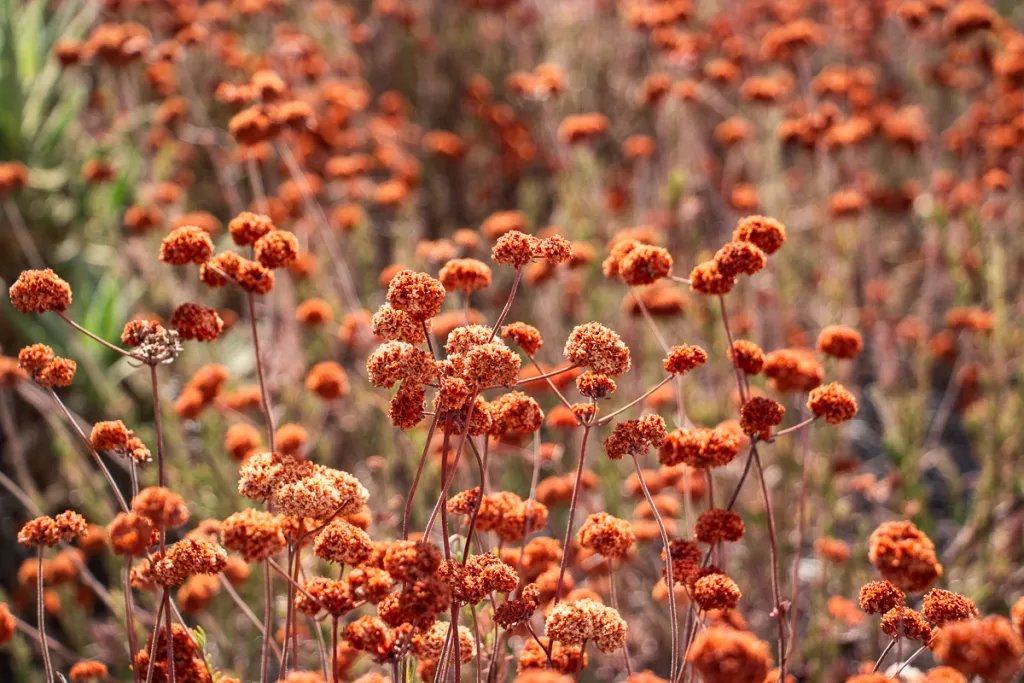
x=607 y=535
x=904 y=555
x=717 y=525
x=765 y=233
x=942 y=606
x=682 y=359
x=878 y=597
x=716 y=591
x=131 y=534
x=327 y=380
x=255 y=534
x=276 y=249
x=635 y=437
x=596 y=347
x=163 y=507
x=343 y=543
x=747 y=356
x=193 y=321
x=515 y=249
x=184 y=245
x=418 y=294
x=725 y=655
x=708 y=278
x=465 y=275
x=986 y=647
x=397 y=361
x=904 y=622
x=739 y=258
x=833 y=402
x=526 y=336
x=59 y=372
x=759 y=414
x=246 y=228
x=840 y=341
x=35 y=357
x=39 y=291
x=87 y=671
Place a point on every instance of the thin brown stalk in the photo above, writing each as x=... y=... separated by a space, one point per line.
x=129 y=614
x=796 y=427
x=247 y=611
x=548 y=375
x=508 y=305
x=92 y=451
x=156 y=641
x=780 y=611
x=41 y=617
x=92 y=336
x=613 y=594
x=170 y=636
x=566 y=545
x=669 y=578
x=268 y=620
x=334 y=649
x=885 y=652
x=608 y=418
x=801 y=532
x=416 y=479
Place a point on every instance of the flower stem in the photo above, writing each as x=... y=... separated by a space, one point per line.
x=669 y=578
x=566 y=546
x=780 y=611
x=41 y=616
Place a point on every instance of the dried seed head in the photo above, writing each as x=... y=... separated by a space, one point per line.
x=759 y=414
x=39 y=291
x=184 y=245
x=724 y=655
x=904 y=622
x=718 y=525
x=246 y=228
x=682 y=359
x=527 y=337
x=594 y=385
x=988 y=648
x=515 y=412
x=607 y=535
x=596 y=347
x=327 y=380
x=394 y=325
x=840 y=341
x=747 y=356
x=255 y=534
x=793 y=370
x=343 y=543
x=35 y=357
x=833 y=402
x=878 y=597
x=397 y=361
x=515 y=249
x=716 y=591
x=643 y=264
x=904 y=555
x=411 y=560
x=737 y=258
x=131 y=534
x=941 y=607
x=708 y=278
x=766 y=233
x=635 y=437
x=193 y=321
x=465 y=275
x=418 y=294
x=276 y=249
x=60 y=372
x=165 y=508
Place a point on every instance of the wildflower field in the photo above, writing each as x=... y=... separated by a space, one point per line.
x=488 y=341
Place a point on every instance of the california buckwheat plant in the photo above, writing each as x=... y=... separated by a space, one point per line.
x=402 y=341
